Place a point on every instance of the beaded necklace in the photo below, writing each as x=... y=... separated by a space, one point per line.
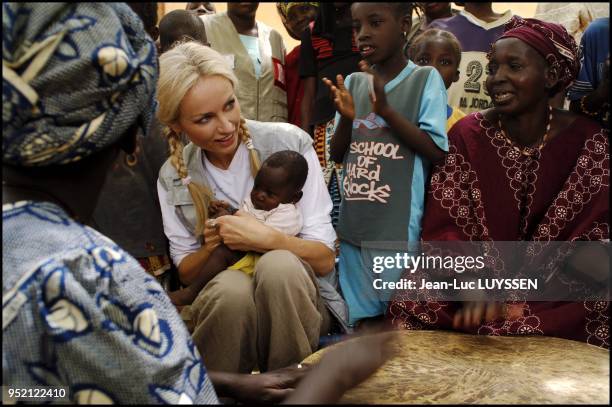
x=528 y=151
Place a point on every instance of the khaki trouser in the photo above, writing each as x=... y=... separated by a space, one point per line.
x=270 y=320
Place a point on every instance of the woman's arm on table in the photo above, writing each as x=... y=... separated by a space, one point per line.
x=342 y=368
x=269 y=387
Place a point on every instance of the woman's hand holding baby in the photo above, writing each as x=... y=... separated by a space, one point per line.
x=211 y=237
x=245 y=233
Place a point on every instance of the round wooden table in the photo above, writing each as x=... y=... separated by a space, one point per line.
x=439 y=367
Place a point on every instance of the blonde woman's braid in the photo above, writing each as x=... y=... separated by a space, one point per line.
x=245 y=137
x=176 y=154
x=200 y=195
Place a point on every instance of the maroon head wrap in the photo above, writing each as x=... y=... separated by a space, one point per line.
x=550 y=40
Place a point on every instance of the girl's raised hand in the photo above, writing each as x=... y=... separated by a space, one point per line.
x=377 y=90
x=342 y=97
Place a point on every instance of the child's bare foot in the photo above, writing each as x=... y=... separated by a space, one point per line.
x=181 y=297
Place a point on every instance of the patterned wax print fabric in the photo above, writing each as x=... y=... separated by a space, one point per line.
x=285 y=6
x=79 y=312
x=551 y=41
x=332 y=172
x=477 y=194
x=75 y=77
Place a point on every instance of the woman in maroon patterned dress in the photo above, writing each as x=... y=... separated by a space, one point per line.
x=521 y=171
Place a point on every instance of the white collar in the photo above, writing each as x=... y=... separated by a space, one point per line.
x=506 y=16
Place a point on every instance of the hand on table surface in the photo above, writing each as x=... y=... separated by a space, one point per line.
x=475 y=313
x=270 y=387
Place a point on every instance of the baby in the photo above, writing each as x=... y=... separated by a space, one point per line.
x=277 y=188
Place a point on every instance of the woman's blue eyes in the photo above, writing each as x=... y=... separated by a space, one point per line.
x=229 y=106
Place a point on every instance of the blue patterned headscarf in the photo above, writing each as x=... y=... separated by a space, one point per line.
x=75 y=77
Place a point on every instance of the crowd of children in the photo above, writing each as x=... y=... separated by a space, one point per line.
x=284 y=173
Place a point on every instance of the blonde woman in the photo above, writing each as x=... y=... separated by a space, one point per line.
x=274 y=318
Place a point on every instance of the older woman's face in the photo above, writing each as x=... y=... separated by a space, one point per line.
x=209 y=115
x=516 y=76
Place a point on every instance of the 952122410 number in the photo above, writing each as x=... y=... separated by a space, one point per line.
x=42 y=393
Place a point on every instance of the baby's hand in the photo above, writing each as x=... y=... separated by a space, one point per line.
x=342 y=97
x=218 y=208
